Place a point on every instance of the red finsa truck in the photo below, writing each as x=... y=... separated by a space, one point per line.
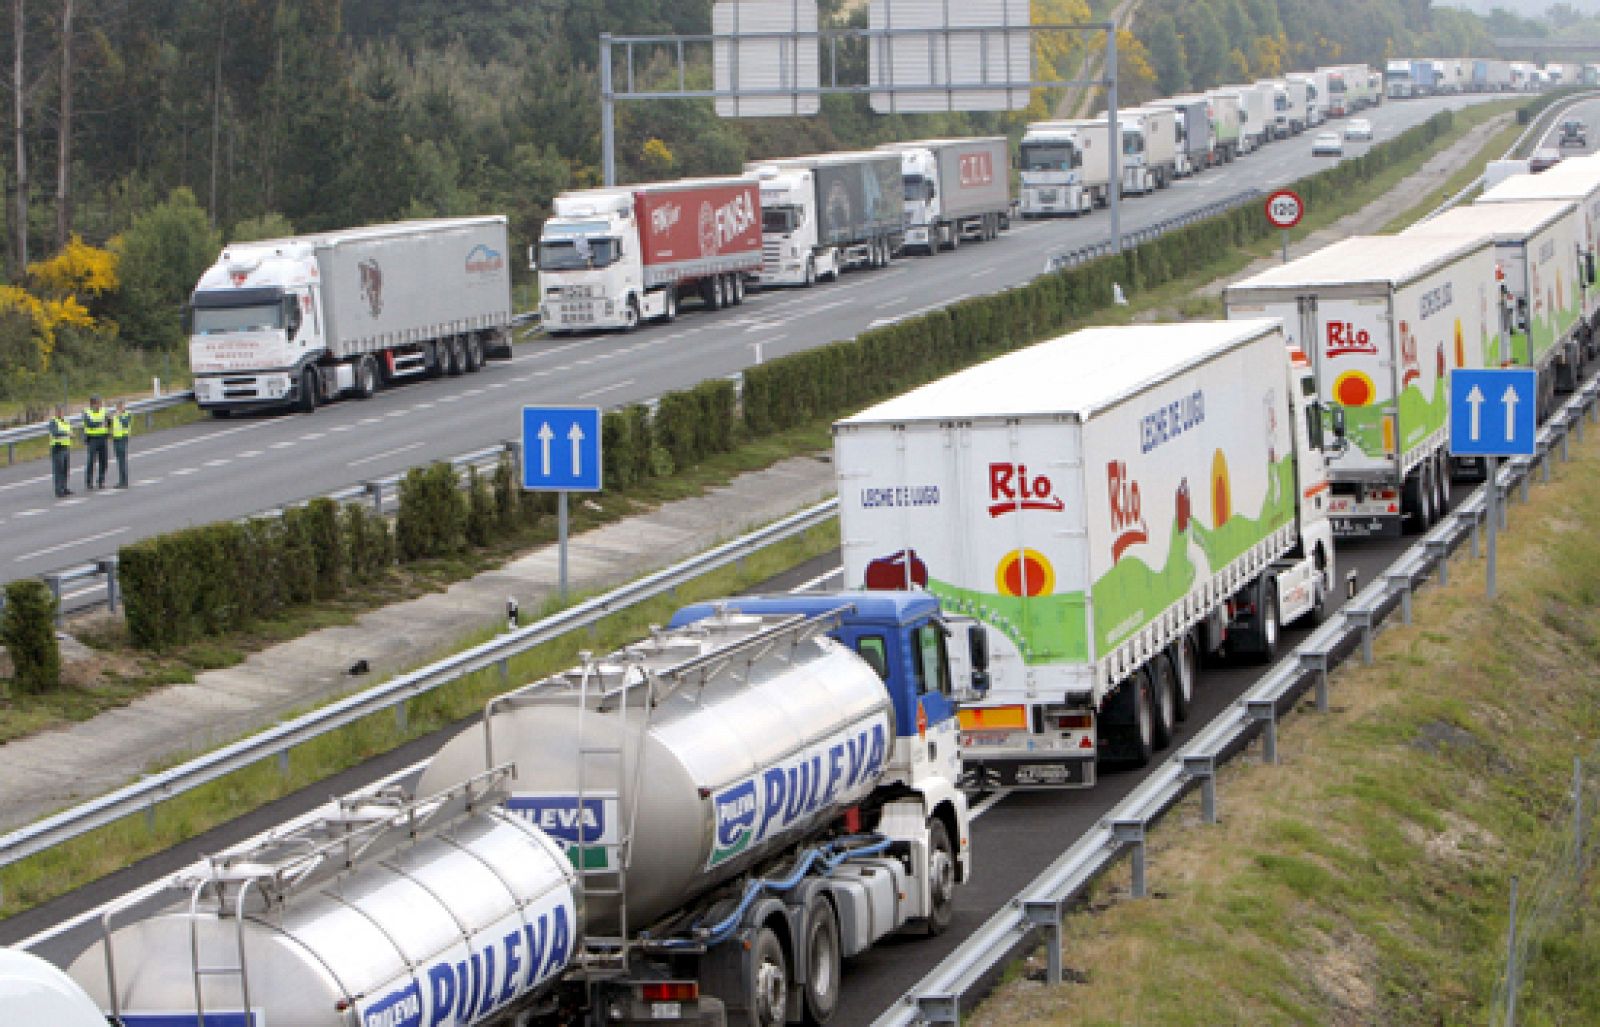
x=610 y=258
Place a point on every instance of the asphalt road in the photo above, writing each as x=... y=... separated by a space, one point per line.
x=223 y=469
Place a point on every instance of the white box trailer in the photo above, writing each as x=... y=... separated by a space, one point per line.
x=955 y=190
x=1192 y=125
x=1289 y=105
x=1227 y=130
x=1316 y=83
x=303 y=320
x=1384 y=320
x=1256 y=115
x=1540 y=302
x=1576 y=179
x=1110 y=505
x=1157 y=129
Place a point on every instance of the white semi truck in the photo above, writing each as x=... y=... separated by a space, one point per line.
x=1257 y=114
x=1289 y=105
x=1110 y=506
x=1541 y=286
x=828 y=213
x=617 y=257
x=1316 y=95
x=1149 y=147
x=1192 y=125
x=1227 y=127
x=300 y=321
x=1064 y=167
x=1384 y=320
x=697 y=828
x=955 y=190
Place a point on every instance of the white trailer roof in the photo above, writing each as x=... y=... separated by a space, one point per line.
x=1391 y=260
x=1572 y=179
x=1507 y=222
x=1072 y=376
x=365 y=232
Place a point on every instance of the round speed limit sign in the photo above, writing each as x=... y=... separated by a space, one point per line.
x=1285 y=208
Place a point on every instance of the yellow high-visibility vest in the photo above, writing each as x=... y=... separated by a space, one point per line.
x=60 y=433
x=121 y=425
x=94 y=423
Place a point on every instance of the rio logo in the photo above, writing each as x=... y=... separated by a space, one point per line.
x=1127 y=516
x=1345 y=338
x=1011 y=488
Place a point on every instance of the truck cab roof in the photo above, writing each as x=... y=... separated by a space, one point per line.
x=884 y=609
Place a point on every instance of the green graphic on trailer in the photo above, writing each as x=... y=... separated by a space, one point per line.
x=1419 y=417
x=1046 y=629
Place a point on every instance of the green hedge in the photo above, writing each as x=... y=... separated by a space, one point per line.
x=28 y=631
x=218 y=578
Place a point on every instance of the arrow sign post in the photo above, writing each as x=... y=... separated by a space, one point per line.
x=549 y=467
x=1493 y=413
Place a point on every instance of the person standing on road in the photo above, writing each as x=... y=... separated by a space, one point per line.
x=61 y=449
x=121 y=428
x=96 y=428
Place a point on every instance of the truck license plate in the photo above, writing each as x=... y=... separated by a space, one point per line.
x=666 y=1010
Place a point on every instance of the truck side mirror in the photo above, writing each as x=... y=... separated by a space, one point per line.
x=1314 y=426
x=1522 y=313
x=1338 y=422
x=533 y=258
x=978 y=656
x=291 y=315
x=1588 y=266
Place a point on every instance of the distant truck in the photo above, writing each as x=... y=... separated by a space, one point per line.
x=1064 y=167
x=1256 y=115
x=1112 y=506
x=1163 y=149
x=1227 y=131
x=1149 y=152
x=1193 y=127
x=1316 y=95
x=827 y=213
x=300 y=321
x=1289 y=103
x=955 y=190
x=616 y=257
x=1339 y=94
x=1397 y=80
x=1384 y=320
x=1541 y=285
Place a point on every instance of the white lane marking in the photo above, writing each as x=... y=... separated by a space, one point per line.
x=312 y=436
x=429 y=405
x=183 y=471
x=473 y=392
x=818 y=580
x=164 y=881
x=146 y=482
x=886 y=304
x=247 y=454
x=448 y=399
x=223 y=462
x=606 y=388
x=982 y=272
x=345 y=427
x=285 y=444
x=25 y=482
x=364 y=420
x=35 y=513
x=498 y=385
x=68 y=545
x=988 y=804
x=396 y=413
x=386 y=453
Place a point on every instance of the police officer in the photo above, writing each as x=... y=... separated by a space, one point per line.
x=96 y=429
x=61 y=449
x=121 y=428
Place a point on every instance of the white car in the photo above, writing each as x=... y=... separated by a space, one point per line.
x=1327 y=143
x=1358 y=128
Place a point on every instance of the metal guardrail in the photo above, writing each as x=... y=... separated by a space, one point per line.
x=1042 y=905
x=1139 y=236
x=9 y=437
x=143 y=795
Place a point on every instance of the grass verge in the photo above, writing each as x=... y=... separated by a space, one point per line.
x=51 y=874
x=1365 y=879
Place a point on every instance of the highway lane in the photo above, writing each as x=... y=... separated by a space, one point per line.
x=1014 y=838
x=223 y=469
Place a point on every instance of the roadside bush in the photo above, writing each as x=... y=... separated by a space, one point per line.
x=28 y=631
x=366 y=542
x=327 y=546
x=505 y=485
x=481 y=510
x=432 y=518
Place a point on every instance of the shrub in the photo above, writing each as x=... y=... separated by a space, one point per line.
x=28 y=631
x=432 y=518
x=481 y=510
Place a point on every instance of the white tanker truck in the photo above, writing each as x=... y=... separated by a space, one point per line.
x=696 y=828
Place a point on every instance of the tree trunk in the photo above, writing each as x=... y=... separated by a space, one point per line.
x=64 y=134
x=20 y=228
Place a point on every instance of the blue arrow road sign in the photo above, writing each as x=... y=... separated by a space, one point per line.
x=561 y=449
x=1494 y=412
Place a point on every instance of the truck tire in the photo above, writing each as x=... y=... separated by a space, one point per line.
x=669 y=306
x=474 y=353
x=1416 y=505
x=1441 y=485
x=820 y=950
x=766 y=997
x=630 y=314
x=711 y=292
x=458 y=356
x=1185 y=657
x=366 y=378
x=1140 y=733
x=308 y=391
x=811 y=272
x=220 y=413
x=1163 y=701
x=736 y=285
x=941 y=879
x=1267 y=626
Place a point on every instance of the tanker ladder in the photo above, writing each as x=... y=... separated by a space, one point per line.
x=316 y=853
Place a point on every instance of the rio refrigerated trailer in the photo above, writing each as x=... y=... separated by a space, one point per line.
x=1384 y=319
x=1109 y=506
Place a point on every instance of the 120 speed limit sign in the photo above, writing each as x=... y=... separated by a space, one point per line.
x=1285 y=208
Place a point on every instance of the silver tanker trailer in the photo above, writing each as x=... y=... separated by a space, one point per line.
x=696 y=828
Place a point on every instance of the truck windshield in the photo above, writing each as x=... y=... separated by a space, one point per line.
x=260 y=317
x=1132 y=142
x=779 y=220
x=577 y=253
x=1281 y=102
x=917 y=188
x=1049 y=157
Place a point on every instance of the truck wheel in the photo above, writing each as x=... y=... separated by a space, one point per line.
x=1141 y=733
x=711 y=292
x=474 y=353
x=941 y=879
x=458 y=356
x=669 y=309
x=630 y=314
x=955 y=238
x=1416 y=507
x=221 y=413
x=1441 y=484
x=736 y=286
x=1164 y=701
x=821 y=990
x=767 y=989
x=811 y=273
x=1185 y=657
x=366 y=378
x=1266 y=622
x=308 y=391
